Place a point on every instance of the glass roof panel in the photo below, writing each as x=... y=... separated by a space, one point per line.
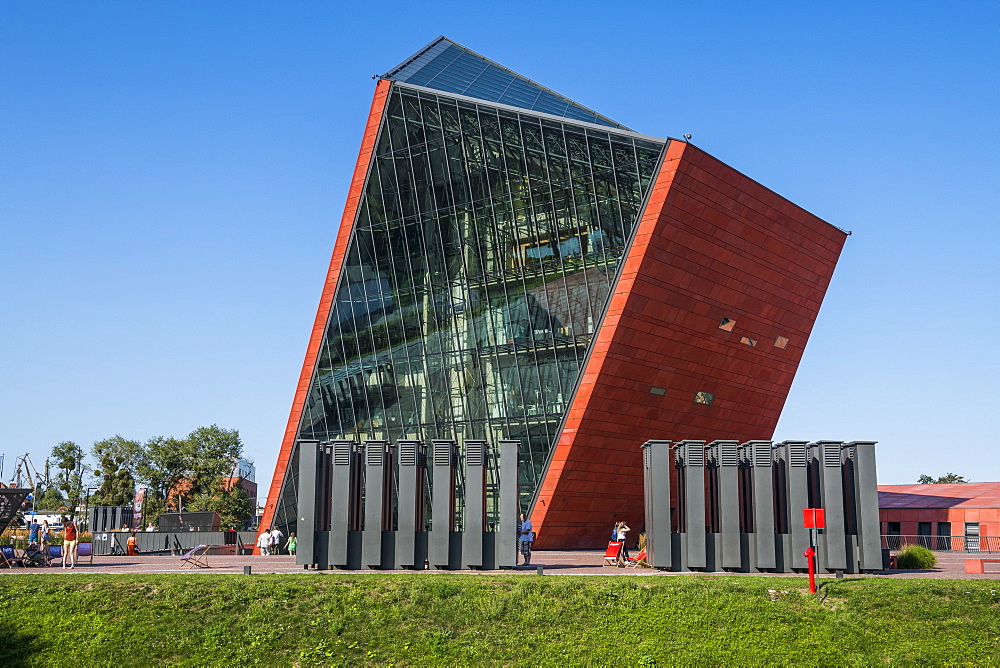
x=450 y=67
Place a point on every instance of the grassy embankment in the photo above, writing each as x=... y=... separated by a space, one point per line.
x=427 y=619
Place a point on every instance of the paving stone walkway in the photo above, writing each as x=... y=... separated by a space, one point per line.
x=554 y=562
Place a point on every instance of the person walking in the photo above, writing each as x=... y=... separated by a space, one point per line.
x=526 y=539
x=623 y=530
x=45 y=533
x=71 y=543
x=264 y=543
x=276 y=537
x=291 y=543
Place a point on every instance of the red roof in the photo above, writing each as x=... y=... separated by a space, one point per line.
x=949 y=495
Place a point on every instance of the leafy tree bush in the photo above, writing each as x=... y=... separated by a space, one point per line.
x=50 y=499
x=916 y=556
x=191 y=466
x=192 y=470
x=233 y=504
x=118 y=459
x=68 y=458
x=947 y=478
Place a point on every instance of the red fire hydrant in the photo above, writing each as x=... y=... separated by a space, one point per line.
x=810 y=555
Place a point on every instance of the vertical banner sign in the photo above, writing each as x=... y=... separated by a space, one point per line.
x=137 y=502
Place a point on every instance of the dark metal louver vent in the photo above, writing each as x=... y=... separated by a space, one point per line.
x=475 y=453
x=796 y=454
x=831 y=454
x=443 y=453
x=728 y=454
x=375 y=453
x=342 y=453
x=762 y=453
x=407 y=453
x=694 y=453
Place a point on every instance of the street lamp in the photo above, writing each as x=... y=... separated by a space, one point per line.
x=86 y=510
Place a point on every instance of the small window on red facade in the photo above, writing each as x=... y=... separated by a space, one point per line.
x=749 y=342
x=704 y=398
x=727 y=324
x=780 y=342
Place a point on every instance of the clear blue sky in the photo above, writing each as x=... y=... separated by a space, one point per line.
x=172 y=176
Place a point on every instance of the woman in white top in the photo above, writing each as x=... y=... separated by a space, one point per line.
x=622 y=531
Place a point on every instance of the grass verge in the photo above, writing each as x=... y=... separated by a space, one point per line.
x=427 y=619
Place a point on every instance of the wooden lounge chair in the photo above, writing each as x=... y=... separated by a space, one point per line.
x=612 y=553
x=196 y=557
x=9 y=558
x=633 y=562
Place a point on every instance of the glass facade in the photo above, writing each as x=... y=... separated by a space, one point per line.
x=479 y=266
x=450 y=67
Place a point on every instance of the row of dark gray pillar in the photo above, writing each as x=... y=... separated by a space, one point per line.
x=364 y=505
x=739 y=506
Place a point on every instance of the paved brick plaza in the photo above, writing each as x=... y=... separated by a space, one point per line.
x=555 y=562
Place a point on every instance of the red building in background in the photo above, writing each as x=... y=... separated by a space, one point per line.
x=952 y=516
x=513 y=265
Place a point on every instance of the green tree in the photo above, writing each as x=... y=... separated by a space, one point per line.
x=50 y=499
x=946 y=478
x=68 y=458
x=191 y=466
x=118 y=460
x=164 y=463
x=233 y=504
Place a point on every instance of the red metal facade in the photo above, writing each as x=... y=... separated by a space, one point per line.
x=711 y=244
x=326 y=300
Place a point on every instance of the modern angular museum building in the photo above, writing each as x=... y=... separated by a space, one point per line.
x=512 y=265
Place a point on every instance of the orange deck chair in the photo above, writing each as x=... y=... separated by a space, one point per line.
x=611 y=555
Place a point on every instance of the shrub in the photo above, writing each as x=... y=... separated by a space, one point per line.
x=915 y=556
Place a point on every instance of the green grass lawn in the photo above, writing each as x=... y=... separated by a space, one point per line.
x=427 y=619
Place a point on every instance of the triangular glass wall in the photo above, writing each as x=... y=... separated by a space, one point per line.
x=480 y=263
x=448 y=66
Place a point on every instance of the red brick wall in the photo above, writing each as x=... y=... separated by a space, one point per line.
x=908 y=518
x=711 y=243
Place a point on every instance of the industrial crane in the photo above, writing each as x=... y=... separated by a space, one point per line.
x=25 y=471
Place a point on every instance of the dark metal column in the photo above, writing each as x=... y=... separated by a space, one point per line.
x=442 y=503
x=371 y=545
x=409 y=478
x=340 y=503
x=693 y=454
x=831 y=482
x=797 y=493
x=306 y=525
x=727 y=459
x=506 y=540
x=475 y=504
x=657 y=463
x=763 y=502
x=866 y=495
